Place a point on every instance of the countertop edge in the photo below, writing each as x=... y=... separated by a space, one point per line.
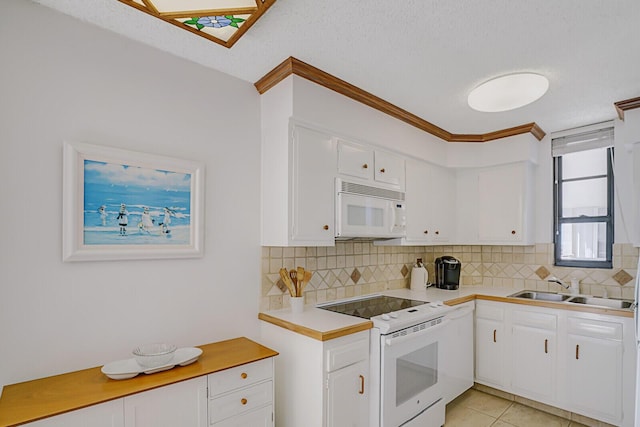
x=315 y=334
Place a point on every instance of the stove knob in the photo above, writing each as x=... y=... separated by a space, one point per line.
x=393 y=314
x=385 y=317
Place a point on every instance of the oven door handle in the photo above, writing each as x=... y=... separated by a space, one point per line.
x=389 y=341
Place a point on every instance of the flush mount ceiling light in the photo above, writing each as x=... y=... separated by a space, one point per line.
x=221 y=21
x=508 y=92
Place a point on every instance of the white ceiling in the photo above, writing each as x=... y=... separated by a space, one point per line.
x=426 y=55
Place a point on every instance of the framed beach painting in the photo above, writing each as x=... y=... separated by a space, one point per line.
x=125 y=205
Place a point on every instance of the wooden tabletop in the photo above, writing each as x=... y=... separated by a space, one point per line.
x=45 y=397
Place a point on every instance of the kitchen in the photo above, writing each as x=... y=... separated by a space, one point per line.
x=59 y=317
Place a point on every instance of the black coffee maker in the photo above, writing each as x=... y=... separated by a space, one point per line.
x=447 y=272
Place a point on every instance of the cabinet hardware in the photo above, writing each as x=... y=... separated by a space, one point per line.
x=243 y=401
x=365 y=166
x=382 y=170
x=577 y=351
x=437 y=232
x=513 y=231
x=243 y=375
x=326 y=227
x=494 y=335
x=426 y=231
x=361 y=391
x=546 y=346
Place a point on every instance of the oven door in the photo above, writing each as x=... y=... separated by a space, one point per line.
x=410 y=375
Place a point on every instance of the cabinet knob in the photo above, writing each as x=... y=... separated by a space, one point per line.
x=365 y=166
x=243 y=375
x=326 y=227
x=243 y=401
x=426 y=231
x=437 y=232
x=382 y=170
x=513 y=231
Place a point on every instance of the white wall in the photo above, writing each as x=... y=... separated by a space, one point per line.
x=61 y=79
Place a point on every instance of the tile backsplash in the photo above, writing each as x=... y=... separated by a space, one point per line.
x=356 y=268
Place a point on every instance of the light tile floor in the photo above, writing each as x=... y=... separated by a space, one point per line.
x=477 y=409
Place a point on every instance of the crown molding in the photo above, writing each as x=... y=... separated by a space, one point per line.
x=292 y=65
x=627 y=104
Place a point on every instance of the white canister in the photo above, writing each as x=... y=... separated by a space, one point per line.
x=419 y=278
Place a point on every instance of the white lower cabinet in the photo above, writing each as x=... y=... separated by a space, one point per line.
x=179 y=404
x=594 y=368
x=490 y=344
x=242 y=396
x=319 y=383
x=571 y=360
x=108 y=414
x=534 y=354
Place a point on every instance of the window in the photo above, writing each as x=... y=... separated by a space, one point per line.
x=583 y=198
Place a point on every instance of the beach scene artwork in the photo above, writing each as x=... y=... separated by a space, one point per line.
x=131 y=205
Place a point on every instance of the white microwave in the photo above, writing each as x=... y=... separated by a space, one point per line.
x=365 y=212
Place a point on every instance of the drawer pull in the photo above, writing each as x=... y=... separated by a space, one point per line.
x=577 y=351
x=243 y=375
x=326 y=227
x=494 y=335
x=243 y=401
x=513 y=231
x=361 y=391
x=382 y=170
x=437 y=232
x=546 y=346
x=365 y=166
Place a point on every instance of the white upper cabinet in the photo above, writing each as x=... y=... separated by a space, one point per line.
x=367 y=163
x=298 y=189
x=431 y=200
x=496 y=205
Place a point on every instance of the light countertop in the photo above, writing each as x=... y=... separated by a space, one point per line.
x=324 y=325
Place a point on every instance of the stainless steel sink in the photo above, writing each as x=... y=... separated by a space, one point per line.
x=602 y=302
x=540 y=296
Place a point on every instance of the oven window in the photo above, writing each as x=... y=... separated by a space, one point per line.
x=416 y=372
x=365 y=215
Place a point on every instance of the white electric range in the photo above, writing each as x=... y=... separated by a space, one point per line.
x=405 y=355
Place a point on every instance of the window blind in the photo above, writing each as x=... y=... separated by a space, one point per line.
x=582 y=140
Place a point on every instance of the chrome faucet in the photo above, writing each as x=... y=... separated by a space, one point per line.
x=558 y=281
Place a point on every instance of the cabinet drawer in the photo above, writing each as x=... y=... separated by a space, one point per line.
x=485 y=311
x=241 y=401
x=240 y=376
x=595 y=328
x=262 y=417
x=535 y=320
x=347 y=354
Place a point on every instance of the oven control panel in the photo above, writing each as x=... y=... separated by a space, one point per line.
x=395 y=320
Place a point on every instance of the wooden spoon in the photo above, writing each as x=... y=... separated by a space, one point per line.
x=305 y=281
x=287 y=281
x=300 y=277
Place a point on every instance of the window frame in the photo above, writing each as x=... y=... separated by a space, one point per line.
x=559 y=220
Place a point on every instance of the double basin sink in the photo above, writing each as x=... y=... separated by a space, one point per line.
x=575 y=299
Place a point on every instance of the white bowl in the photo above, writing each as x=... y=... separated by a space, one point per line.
x=153 y=355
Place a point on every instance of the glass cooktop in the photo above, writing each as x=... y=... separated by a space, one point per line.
x=373 y=306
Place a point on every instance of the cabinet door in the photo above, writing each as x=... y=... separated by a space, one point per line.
x=348 y=397
x=313 y=188
x=389 y=169
x=181 y=404
x=417 y=196
x=109 y=414
x=534 y=357
x=442 y=200
x=594 y=377
x=490 y=348
x=501 y=204
x=355 y=160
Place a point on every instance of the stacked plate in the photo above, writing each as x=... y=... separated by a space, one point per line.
x=129 y=368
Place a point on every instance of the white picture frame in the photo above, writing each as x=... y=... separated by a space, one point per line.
x=159 y=199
